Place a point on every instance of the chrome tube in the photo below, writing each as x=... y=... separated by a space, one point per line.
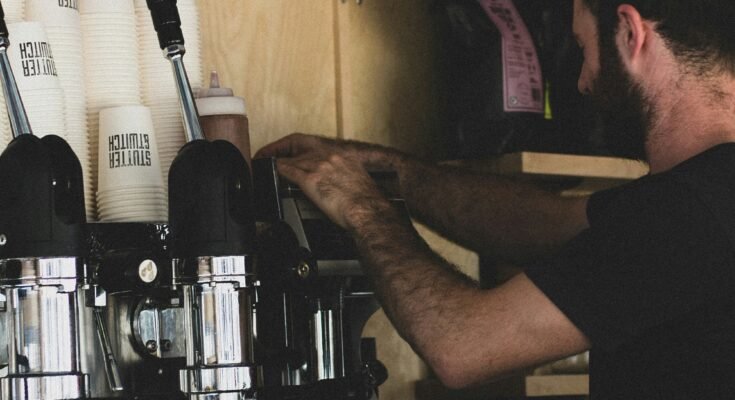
x=43 y=331
x=19 y=123
x=219 y=330
x=175 y=54
x=112 y=372
x=324 y=361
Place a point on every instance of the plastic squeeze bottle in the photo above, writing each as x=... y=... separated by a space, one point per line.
x=222 y=116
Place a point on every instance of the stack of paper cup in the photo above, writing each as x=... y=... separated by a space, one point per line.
x=63 y=26
x=157 y=80
x=110 y=62
x=14 y=11
x=36 y=74
x=6 y=134
x=130 y=182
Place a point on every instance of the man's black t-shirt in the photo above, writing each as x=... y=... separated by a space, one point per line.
x=651 y=283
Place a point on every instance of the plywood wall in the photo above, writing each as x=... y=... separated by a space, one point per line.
x=279 y=55
x=331 y=67
x=389 y=74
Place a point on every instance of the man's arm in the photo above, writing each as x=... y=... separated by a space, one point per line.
x=465 y=334
x=489 y=214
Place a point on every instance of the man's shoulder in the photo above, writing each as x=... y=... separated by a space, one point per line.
x=702 y=187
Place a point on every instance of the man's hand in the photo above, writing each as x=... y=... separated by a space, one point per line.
x=371 y=156
x=333 y=175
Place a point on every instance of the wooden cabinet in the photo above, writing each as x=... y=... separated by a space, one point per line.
x=280 y=56
x=388 y=70
x=330 y=67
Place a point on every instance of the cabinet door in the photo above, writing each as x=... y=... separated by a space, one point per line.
x=280 y=56
x=388 y=68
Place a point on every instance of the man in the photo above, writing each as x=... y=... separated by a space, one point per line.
x=643 y=275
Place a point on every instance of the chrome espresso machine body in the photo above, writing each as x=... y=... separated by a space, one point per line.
x=248 y=292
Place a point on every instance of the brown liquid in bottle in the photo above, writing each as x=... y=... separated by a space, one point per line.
x=222 y=116
x=231 y=127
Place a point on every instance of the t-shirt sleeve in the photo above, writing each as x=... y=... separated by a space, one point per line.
x=653 y=253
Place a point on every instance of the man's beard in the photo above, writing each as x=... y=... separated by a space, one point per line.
x=626 y=113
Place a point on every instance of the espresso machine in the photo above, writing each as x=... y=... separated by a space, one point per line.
x=246 y=292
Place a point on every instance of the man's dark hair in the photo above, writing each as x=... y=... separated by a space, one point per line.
x=700 y=33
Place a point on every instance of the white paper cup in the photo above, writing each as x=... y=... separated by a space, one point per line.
x=137 y=209
x=120 y=199
x=153 y=203
x=46 y=111
x=134 y=219
x=131 y=189
x=14 y=11
x=31 y=57
x=151 y=219
x=140 y=209
x=128 y=154
x=53 y=12
x=106 y=7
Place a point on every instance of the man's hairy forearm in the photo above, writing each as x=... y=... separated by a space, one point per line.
x=421 y=293
x=489 y=214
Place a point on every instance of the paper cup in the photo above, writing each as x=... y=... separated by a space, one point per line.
x=114 y=200
x=131 y=189
x=14 y=11
x=53 y=12
x=106 y=7
x=128 y=154
x=134 y=219
x=31 y=57
x=153 y=203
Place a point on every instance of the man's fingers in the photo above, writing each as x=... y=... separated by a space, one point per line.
x=279 y=148
x=291 y=170
x=289 y=146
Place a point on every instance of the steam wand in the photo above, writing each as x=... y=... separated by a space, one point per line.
x=16 y=111
x=167 y=22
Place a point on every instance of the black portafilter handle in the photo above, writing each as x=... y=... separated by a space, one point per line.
x=167 y=22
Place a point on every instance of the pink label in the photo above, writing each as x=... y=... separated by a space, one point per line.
x=523 y=89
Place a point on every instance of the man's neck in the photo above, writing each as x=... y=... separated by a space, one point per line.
x=691 y=116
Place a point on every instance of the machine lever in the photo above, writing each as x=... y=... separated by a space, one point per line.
x=167 y=23
x=111 y=369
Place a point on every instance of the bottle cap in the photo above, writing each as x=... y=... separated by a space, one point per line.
x=214 y=90
x=221 y=106
x=217 y=100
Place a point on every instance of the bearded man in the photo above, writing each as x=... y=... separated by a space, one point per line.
x=643 y=275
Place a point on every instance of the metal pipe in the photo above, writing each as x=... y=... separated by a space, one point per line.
x=111 y=369
x=175 y=54
x=19 y=123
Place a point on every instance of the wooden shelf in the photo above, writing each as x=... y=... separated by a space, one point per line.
x=557 y=385
x=564 y=165
x=532 y=386
x=592 y=172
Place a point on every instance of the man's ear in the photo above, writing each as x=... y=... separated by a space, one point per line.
x=633 y=32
